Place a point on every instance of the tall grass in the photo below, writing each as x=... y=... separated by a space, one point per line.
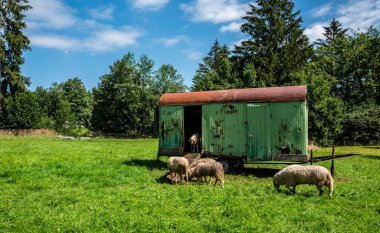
x=99 y=185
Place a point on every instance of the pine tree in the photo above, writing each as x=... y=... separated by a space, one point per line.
x=276 y=45
x=12 y=44
x=332 y=32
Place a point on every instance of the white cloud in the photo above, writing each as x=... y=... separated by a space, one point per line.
x=51 y=14
x=193 y=55
x=360 y=14
x=150 y=5
x=321 y=11
x=232 y=27
x=170 y=42
x=215 y=11
x=315 y=32
x=104 y=12
x=102 y=40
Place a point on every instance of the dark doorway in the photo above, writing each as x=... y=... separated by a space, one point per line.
x=192 y=124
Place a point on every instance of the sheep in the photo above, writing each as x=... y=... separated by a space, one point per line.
x=209 y=169
x=294 y=175
x=194 y=142
x=205 y=160
x=178 y=165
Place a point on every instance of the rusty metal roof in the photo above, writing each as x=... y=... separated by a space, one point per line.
x=266 y=94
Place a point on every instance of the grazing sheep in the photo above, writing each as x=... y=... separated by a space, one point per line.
x=294 y=175
x=205 y=160
x=194 y=142
x=178 y=165
x=209 y=169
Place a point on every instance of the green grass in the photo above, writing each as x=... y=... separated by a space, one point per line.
x=101 y=185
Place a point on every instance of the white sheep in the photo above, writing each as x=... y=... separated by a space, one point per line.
x=209 y=169
x=294 y=175
x=178 y=165
x=194 y=142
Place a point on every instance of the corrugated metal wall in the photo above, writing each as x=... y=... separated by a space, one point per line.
x=170 y=126
x=288 y=127
x=223 y=129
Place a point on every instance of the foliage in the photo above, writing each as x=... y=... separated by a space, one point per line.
x=354 y=61
x=325 y=111
x=217 y=71
x=12 y=44
x=122 y=103
x=66 y=106
x=22 y=111
x=276 y=45
x=167 y=79
x=361 y=126
x=98 y=185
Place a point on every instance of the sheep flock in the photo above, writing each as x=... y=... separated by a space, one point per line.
x=290 y=177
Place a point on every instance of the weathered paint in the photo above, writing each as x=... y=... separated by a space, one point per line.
x=223 y=129
x=266 y=94
x=288 y=127
x=171 y=128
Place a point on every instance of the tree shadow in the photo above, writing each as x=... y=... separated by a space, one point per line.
x=372 y=147
x=257 y=172
x=371 y=157
x=149 y=164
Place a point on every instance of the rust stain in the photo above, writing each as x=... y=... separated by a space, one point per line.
x=266 y=94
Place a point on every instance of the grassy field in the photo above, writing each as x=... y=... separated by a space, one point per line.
x=104 y=185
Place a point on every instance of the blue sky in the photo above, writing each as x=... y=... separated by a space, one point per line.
x=82 y=38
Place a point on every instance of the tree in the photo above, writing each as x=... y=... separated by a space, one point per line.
x=22 y=111
x=332 y=32
x=12 y=44
x=217 y=71
x=325 y=111
x=167 y=79
x=276 y=45
x=121 y=104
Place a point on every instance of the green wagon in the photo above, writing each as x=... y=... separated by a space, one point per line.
x=236 y=126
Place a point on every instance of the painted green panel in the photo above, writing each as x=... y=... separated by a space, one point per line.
x=258 y=131
x=288 y=127
x=170 y=126
x=224 y=129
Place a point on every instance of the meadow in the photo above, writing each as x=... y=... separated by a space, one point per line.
x=48 y=184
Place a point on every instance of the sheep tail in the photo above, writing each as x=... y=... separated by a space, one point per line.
x=331 y=185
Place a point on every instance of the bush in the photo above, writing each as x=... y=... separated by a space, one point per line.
x=361 y=126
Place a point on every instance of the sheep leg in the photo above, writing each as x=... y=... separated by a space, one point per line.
x=320 y=188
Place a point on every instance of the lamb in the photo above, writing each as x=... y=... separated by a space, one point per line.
x=294 y=175
x=194 y=142
x=178 y=165
x=209 y=169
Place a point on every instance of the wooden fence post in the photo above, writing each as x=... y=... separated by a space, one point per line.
x=332 y=168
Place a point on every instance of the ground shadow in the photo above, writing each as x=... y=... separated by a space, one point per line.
x=257 y=172
x=372 y=147
x=149 y=164
x=371 y=157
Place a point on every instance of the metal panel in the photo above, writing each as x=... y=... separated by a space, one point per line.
x=171 y=127
x=258 y=131
x=224 y=129
x=288 y=127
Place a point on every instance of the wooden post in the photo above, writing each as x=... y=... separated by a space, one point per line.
x=311 y=157
x=332 y=168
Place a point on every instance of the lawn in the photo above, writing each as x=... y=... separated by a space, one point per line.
x=49 y=184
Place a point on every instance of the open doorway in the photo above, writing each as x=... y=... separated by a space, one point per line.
x=192 y=124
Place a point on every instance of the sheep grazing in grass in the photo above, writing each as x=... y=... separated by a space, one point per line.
x=194 y=142
x=208 y=169
x=294 y=175
x=205 y=160
x=178 y=165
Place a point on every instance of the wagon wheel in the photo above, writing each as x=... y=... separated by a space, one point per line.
x=237 y=163
x=226 y=165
